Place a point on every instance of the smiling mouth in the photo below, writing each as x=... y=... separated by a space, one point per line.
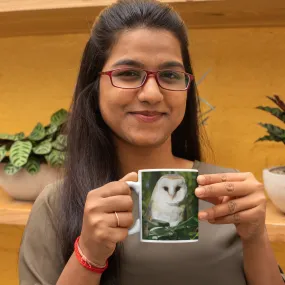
x=148 y=116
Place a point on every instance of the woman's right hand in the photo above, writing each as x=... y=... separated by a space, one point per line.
x=100 y=232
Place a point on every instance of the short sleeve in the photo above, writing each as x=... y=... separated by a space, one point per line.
x=40 y=261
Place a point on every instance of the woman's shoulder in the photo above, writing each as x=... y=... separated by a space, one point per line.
x=208 y=168
x=49 y=198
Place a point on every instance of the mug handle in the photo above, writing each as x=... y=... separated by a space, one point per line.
x=136 y=187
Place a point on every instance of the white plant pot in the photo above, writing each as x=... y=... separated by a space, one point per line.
x=275 y=187
x=27 y=187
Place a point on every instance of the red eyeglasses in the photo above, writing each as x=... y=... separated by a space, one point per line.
x=133 y=78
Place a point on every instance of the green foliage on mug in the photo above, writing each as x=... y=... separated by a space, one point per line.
x=160 y=230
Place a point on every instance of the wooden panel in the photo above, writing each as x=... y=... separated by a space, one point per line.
x=59 y=17
x=20 y=5
x=10 y=239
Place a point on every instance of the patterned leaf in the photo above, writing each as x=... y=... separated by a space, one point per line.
x=59 y=117
x=20 y=136
x=60 y=143
x=11 y=169
x=3 y=152
x=19 y=152
x=51 y=129
x=38 y=133
x=7 y=137
x=275 y=132
x=56 y=158
x=15 y=137
x=274 y=111
x=33 y=166
x=43 y=148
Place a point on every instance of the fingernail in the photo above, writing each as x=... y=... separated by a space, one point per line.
x=203 y=216
x=201 y=179
x=200 y=192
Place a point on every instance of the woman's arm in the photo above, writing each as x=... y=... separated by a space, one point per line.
x=239 y=199
x=260 y=264
x=75 y=273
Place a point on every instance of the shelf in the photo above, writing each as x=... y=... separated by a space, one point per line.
x=42 y=17
x=13 y=212
x=16 y=213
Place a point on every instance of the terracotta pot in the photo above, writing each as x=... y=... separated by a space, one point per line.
x=27 y=187
x=274 y=184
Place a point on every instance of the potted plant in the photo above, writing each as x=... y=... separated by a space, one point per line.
x=29 y=163
x=274 y=177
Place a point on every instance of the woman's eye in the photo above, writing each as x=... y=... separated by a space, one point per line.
x=170 y=75
x=128 y=73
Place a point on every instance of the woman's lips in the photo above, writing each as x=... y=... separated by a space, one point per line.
x=148 y=117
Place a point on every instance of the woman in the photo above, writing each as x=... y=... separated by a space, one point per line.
x=134 y=108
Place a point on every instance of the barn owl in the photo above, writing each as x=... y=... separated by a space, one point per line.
x=168 y=200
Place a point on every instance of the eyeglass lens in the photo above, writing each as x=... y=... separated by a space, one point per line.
x=134 y=78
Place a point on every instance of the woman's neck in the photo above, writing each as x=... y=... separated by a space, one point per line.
x=133 y=158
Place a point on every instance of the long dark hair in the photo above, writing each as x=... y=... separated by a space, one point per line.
x=91 y=156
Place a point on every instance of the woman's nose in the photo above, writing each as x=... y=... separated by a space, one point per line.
x=150 y=91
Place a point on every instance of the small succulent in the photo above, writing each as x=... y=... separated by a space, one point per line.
x=45 y=144
x=275 y=133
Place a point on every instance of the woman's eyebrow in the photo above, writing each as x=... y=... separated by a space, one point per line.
x=134 y=63
x=170 y=64
x=129 y=62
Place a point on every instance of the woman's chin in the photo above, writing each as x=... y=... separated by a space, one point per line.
x=147 y=141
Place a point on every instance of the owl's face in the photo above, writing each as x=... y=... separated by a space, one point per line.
x=171 y=188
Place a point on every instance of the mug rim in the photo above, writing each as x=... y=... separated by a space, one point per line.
x=168 y=169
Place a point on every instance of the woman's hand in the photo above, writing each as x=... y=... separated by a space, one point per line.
x=100 y=230
x=238 y=198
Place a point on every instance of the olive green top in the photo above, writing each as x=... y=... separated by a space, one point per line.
x=216 y=259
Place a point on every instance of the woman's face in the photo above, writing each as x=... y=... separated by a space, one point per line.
x=148 y=115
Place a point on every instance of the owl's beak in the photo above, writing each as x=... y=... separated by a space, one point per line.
x=172 y=196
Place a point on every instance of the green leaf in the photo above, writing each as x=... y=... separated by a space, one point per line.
x=277 y=100
x=43 y=148
x=19 y=152
x=3 y=152
x=161 y=232
x=268 y=138
x=38 y=133
x=11 y=169
x=274 y=131
x=33 y=166
x=19 y=136
x=51 y=129
x=59 y=117
x=60 y=143
x=56 y=158
x=274 y=111
x=15 y=137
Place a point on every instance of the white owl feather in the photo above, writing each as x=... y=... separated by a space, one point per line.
x=168 y=199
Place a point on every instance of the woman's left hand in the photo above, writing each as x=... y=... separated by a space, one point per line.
x=239 y=199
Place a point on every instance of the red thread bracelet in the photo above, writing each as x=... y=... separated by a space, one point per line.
x=85 y=262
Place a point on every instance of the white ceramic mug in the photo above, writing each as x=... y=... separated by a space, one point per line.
x=168 y=207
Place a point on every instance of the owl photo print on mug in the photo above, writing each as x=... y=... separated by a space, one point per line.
x=168 y=207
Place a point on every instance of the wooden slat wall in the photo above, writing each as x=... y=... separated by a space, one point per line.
x=61 y=17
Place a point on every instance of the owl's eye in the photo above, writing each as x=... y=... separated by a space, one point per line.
x=165 y=188
x=177 y=188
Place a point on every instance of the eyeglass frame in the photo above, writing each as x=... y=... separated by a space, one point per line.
x=148 y=73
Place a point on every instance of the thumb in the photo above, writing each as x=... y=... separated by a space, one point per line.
x=133 y=176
